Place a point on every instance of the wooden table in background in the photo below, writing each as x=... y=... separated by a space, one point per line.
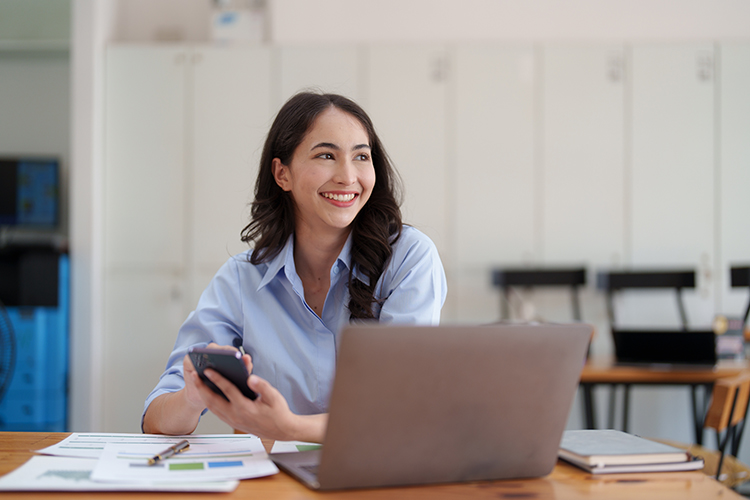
x=565 y=482
x=604 y=371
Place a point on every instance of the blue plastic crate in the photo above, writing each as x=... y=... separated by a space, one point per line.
x=37 y=397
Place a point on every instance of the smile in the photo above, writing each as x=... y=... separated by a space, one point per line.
x=339 y=197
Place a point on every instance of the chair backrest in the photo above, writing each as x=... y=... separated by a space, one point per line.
x=740 y=277
x=613 y=281
x=729 y=402
x=540 y=277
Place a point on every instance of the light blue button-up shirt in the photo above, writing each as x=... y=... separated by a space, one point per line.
x=291 y=346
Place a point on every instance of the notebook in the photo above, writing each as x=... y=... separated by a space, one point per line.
x=677 y=348
x=421 y=405
x=611 y=451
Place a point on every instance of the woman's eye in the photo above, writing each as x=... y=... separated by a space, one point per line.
x=326 y=156
x=363 y=157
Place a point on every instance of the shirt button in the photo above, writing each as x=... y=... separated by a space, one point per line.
x=335 y=270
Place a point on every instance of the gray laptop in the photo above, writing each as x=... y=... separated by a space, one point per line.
x=422 y=405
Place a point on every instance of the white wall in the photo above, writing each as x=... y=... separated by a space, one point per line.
x=337 y=21
x=508 y=20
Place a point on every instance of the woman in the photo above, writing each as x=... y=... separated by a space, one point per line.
x=329 y=248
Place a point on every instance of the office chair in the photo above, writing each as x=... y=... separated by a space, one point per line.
x=612 y=282
x=572 y=278
x=740 y=277
x=726 y=415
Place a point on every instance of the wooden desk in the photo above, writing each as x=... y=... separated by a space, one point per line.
x=604 y=370
x=565 y=482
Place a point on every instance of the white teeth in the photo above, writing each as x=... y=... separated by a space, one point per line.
x=339 y=197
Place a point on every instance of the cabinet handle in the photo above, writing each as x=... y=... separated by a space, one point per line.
x=615 y=67
x=439 y=69
x=704 y=66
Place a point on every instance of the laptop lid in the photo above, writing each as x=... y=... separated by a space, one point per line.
x=671 y=347
x=422 y=405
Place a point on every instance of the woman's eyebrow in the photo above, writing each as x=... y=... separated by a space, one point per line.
x=330 y=145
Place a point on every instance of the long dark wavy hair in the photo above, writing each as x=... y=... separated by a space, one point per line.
x=375 y=228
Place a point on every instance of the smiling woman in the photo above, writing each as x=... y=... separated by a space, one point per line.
x=329 y=248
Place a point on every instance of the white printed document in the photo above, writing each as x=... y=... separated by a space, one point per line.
x=204 y=460
x=91 y=445
x=49 y=473
x=293 y=446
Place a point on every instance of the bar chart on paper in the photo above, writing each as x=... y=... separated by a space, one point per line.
x=201 y=462
x=210 y=457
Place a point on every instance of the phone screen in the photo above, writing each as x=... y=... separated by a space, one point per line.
x=228 y=363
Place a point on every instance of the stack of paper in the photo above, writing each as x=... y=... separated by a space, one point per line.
x=611 y=451
x=119 y=462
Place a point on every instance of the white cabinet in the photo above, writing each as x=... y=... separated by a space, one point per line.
x=494 y=177
x=492 y=191
x=184 y=128
x=407 y=95
x=229 y=113
x=734 y=171
x=142 y=312
x=145 y=224
x=671 y=196
x=583 y=155
x=144 y=197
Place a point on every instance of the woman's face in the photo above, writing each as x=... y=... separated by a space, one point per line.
x=330 y=176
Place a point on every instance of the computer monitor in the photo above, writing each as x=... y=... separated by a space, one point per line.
x=29 y=192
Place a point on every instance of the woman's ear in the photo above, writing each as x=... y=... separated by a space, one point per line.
x=281 y=174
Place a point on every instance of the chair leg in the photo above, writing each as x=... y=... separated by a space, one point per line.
x=625 y=407
x=739 y=429
x=728 y=433
x=588 y=405
x=612 y=406
x=721 y=446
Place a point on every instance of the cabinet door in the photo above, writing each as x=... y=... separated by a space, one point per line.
x=326 y=68
x=142 y=313
x=493 y=196
x=144 y=173
x=583 y=150
x=230 y=116
x=734 y=177
x=672 y=180
x=406 y=99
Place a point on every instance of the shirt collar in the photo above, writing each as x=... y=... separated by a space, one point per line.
x=285 y=261
x=277 y=264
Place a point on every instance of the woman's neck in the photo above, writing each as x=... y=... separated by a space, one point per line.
x=316 y=252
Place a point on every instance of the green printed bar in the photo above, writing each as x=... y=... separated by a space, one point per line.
x=308 y=447
x=187 y=466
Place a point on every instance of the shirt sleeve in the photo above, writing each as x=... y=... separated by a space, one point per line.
x=413 y=283
x=217 y=318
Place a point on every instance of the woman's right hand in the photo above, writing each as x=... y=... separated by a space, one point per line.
x=192 y=382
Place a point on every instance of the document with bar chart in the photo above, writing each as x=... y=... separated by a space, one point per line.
x=204 y=460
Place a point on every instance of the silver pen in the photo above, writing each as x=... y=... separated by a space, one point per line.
x=172 y=450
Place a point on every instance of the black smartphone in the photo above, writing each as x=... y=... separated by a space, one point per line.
x=228 y=363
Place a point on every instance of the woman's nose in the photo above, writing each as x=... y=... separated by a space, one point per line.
x=346 y=173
